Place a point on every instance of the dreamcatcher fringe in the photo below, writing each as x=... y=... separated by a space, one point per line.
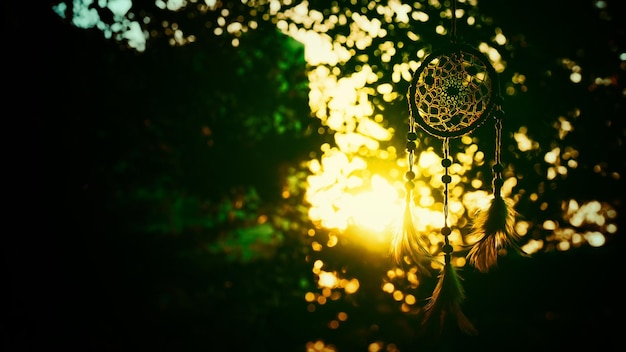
x=445 y=303
x=408 y=242
x=493 y=229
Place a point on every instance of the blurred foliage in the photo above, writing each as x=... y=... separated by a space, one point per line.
x=192 y=156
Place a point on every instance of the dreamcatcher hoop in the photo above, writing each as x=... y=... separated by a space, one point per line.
x=453 y=91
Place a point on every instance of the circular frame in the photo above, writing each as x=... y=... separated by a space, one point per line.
x=430 y=97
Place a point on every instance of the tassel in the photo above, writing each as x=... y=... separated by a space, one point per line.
x=448 y=294
x=408 y=242
x=445 y=303
x=494 y=230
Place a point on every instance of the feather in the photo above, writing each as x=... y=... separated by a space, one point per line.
x=445 y=303
x=493 y=230
x=409 y=243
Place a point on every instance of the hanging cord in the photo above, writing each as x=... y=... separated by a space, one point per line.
x=453 y=29
x=498 y=168
x=446 y=179
x=410 y=147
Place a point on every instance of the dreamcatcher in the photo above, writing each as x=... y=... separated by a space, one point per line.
x=454 y=91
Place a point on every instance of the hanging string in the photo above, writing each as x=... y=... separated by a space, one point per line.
x=497 y=168
x=410 y=148
x=446 y=162
x=453 y=29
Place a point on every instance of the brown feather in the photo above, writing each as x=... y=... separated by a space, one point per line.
x=445 y=303
x=493 y=230
x=408 y=243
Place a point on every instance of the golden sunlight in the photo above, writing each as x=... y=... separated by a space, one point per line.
x=375 y=208
x=355 y=186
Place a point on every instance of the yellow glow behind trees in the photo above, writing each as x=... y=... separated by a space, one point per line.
x=357 y=184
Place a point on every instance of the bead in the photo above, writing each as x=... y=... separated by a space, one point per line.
x=429 y=80
x=409 y=185
x=410 y=145
x=412 y=136
x=446 y=179
x=498 y=182
x=497 y=167
x=499 y=114
x=446 y=162
x=499 y=100
x=409 y=175
x=446 y=231
x=447 y=248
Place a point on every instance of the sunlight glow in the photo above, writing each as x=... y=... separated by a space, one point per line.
x=371 y=208
x=345 y=192
x=343 y=189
